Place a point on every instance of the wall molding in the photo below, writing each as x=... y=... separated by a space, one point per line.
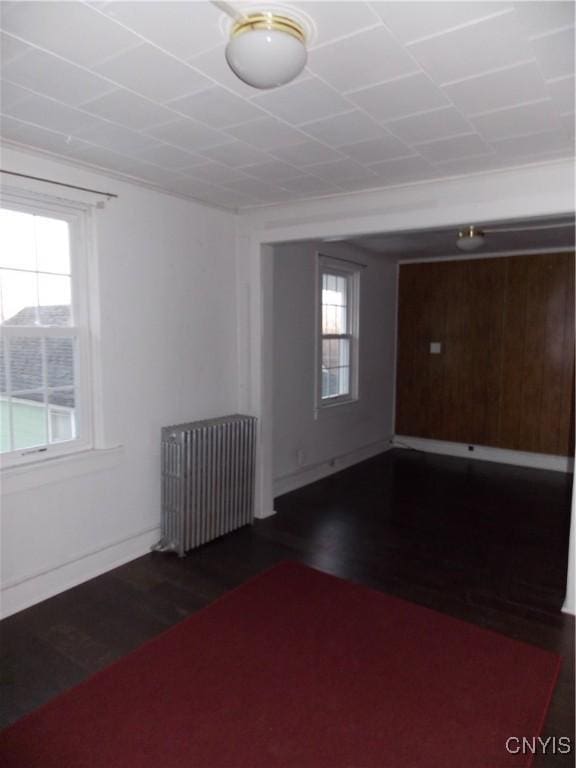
x=486 y=453
x=313 y=472
x=18 y=594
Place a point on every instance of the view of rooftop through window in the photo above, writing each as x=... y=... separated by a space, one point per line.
x=37 y=356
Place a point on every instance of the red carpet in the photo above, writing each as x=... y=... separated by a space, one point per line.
x=297 y=669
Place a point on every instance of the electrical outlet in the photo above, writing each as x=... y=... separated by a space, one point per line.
x=301 y=457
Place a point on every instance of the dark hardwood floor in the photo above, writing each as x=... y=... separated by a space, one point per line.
x=483 y=542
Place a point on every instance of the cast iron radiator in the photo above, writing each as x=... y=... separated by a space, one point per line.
x=208 y=470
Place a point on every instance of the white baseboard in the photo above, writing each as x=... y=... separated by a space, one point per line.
x=22 y=593
x=485 y=453
x=313 y=472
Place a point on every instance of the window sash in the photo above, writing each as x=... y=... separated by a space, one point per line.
x=350 y=306
x=79 y=226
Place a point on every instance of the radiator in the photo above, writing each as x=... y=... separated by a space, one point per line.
x=208 y=470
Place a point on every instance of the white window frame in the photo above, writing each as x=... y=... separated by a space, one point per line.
x=350 y=271
x=78 y=217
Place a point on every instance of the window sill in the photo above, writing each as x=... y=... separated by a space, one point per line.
x=335 y=406
x=37 y=473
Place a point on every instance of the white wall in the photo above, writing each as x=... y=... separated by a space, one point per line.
x=344 y=433
x=167 y=279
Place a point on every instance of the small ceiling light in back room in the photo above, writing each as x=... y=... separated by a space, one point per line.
x=266 y=50
x=470 y=239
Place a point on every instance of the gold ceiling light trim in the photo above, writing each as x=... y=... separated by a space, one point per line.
x=268 y=21
x=471 y=231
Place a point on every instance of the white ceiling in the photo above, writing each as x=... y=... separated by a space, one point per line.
x=522 y=236
x=394 y=92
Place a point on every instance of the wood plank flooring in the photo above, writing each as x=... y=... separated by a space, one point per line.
x=483 y=542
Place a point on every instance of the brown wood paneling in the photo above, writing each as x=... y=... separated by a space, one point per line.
x=538 y=348
x=420 y=319
x=506 y=372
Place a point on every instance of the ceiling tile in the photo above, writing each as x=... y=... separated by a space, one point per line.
x=153 y=73
x=465 y=165
x=184 y=29
x=114 y=137
x=187 y=134
x=60 y=28
x=517 y=121
x=540 y=18
x=343 y=129
x=261 y=190
x=152 y=173
x=273 y=171
x=429 y=126
x=347 y=186
x=104 y=158
x=309 y=185
x=235 y=154
x=11 y=49
x=118 y=163
x=196 y=188
x=339 y=171
x=399 y=98
x=214 y=173
x=48 y=113
x=307 y=153
x=46 y=74
x=375 y=150
x=15 y=130
x=568 y=127
x=217 y=107
x=366 y=58
x=402 y=169
x=555 y=53
x=303 y=102
x=129 y=109
x=562 y=94
x=11 y=95
x=468 y=145
x=534 y=145
x=227 y=198
x=497 y=90
x=489 y=44
x=333 y=21
x=414 y=20
x=266 y=133
x=170 y=157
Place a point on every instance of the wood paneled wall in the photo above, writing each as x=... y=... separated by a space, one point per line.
x=505 y=375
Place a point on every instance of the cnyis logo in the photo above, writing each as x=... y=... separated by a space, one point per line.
x=549 y=745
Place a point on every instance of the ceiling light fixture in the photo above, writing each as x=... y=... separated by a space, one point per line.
x=470 y=239
x=266 y=50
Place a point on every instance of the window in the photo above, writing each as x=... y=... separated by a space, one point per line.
x=339 y=331
x=44 y=403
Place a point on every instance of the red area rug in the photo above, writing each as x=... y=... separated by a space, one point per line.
x=298 y=669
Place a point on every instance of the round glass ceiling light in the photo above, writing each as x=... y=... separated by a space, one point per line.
x=266 y=50
x=470 y=239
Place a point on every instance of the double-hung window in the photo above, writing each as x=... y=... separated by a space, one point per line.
x=339 y=306
x=44 y=398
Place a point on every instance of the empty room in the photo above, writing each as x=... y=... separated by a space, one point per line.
x=287 y=384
